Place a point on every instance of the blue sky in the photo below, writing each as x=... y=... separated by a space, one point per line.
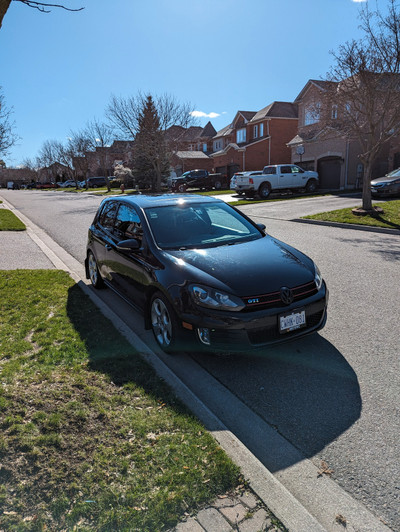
x=58 y=70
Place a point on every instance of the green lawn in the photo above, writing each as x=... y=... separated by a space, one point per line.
x=91 y=438
x=389 y=219
x=9 y=222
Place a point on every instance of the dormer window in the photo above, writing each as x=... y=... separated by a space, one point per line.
x=255 y=132
x=334 y=112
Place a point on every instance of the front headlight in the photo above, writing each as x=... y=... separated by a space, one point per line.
x=317 y=277
x=211 y=298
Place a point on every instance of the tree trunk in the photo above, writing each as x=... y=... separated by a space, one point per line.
x=366 y=192
x=4 y=5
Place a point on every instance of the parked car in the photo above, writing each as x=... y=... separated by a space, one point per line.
x=278 y=177
x=69 y=184
x=200 y=179
x=47 y=184
x=203 y=274
x=386 y=186
x=242 y=176
x=94 y=182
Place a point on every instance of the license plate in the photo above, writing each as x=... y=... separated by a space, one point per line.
x=291 y=322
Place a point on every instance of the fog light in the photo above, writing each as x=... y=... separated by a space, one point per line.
x=204 y=335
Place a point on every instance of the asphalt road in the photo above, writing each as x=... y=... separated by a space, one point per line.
x=334 y=395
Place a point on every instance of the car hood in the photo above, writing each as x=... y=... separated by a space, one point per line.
x=387 y=179
x=250 y=268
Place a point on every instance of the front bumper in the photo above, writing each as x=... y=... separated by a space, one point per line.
x=243 y=331
x=385 y=191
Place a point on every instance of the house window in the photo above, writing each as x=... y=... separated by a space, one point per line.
x=217 y=145
x=255 y=132
x=205 y=146
x=334 y=112
x=240 y=136
x=312 y=114
x=262 y=130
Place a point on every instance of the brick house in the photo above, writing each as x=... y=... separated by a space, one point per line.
x=191 y=147
x=319 y=146
x=255 y=139
x=104 y=159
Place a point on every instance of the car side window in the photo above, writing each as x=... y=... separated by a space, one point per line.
x=286 y=170
x=297 y=170
x=107 y=215
x=269 y=170
x=127 y=223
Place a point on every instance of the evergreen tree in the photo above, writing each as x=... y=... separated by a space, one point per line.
x=151 y=162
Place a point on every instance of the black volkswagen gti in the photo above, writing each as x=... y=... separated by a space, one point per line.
x=203 y=274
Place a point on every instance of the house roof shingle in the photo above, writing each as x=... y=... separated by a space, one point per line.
x=277 y=110
x=191 y=154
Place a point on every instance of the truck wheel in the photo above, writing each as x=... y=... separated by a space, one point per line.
x=182 y=187
x=311 y=185
x=264 y=191
x=217 y=185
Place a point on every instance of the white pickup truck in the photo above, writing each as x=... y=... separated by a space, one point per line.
x=277 y=177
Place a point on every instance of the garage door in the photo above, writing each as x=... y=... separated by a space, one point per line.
x=329 y=173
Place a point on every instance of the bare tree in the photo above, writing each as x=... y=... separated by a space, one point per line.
x=7 y=135
x=40 y=6
x=77 y=146
x=54 y=159
x=364 y=96
x=147 y=120
x=100 y=136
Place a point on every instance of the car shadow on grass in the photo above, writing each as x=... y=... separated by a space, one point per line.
x=305 y=390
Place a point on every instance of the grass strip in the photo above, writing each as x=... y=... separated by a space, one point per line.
x=91 y=438
x=389 y=219
x=9 y=222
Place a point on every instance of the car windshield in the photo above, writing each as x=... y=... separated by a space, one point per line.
x=199 y=226
x=394 y=173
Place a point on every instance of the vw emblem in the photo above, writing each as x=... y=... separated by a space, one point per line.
x=286 y=295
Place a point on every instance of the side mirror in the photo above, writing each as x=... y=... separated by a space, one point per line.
x=128 y=245
x=261 y=227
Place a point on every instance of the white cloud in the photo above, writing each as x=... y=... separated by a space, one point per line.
x=200 y=114
x=359 y=1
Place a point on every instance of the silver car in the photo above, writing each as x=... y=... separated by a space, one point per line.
x=386 y=186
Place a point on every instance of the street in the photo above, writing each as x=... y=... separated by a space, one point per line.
x=334 y=395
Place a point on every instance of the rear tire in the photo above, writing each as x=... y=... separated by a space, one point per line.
x=182 y=187
x=217 y=185
x=264 y=191
x=94 y=274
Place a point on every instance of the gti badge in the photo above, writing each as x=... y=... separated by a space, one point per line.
x=250 y=301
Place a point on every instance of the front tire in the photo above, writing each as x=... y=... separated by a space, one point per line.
x=264 y=191
x=164 y=323
x=182 y=188
x=311 y=186
x=94 y=273
x=217 y=185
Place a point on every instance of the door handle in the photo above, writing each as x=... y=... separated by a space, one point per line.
x=108 y=247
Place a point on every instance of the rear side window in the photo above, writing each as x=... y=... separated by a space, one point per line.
x=269 y=170
x=107 y=215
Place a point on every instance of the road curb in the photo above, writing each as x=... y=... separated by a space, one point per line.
x=370 y=229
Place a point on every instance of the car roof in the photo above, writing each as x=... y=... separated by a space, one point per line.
x=144 y=201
